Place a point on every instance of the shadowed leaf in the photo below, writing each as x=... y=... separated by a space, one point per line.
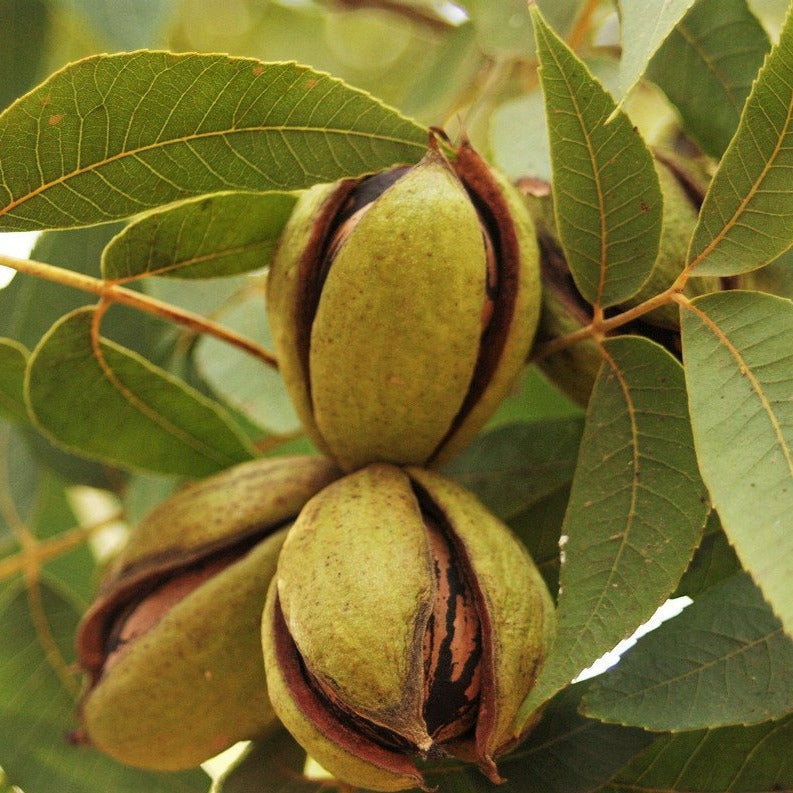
x=111 y=404
x=725 y=660
x=727 y=760
x=636 y=511
x=512 y=467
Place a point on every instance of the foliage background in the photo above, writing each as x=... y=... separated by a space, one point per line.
x=701 y=705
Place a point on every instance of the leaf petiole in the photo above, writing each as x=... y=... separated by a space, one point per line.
x=111 y=291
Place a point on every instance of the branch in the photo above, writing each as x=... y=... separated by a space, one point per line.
x=149 y=305
x=411 y=13
x=599 y=327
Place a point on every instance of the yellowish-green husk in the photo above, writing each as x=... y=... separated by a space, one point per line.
x=355 y=586
x=517 y=599
x=521 y=332
x=395 y=339
x=231 y=503
x=283 y=302
x=343 y=763
x=193 y=684
x=355 y=575
x=396 y=334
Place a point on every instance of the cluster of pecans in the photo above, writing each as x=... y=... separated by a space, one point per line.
x=401 y=620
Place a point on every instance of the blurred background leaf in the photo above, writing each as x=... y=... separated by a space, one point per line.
x=706 y=68
x=37 y=703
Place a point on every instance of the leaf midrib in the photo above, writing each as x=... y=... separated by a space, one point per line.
x=745 y=369
x=98 y=164
x=732 y=222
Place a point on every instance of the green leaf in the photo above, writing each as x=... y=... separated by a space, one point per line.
x=713 y=562
x=519 y=137
x=504 y=28
x=540 y=528
x=217 y=235
x=532 y=399
x=19 y=484
x=726 y=760
x=272 y=765
x=739 y=373
x=37 y=708
x=725 y=660
x=113 y=135
x=706 y=68
x=111 y=404
x=746 y=219
x=645 y=26
x=515 y=466
x=22 y=45
x=565 y=753
x=257 y=391
x=13 y=360
x=607 y=198
x=75 y=568
x=636 y=512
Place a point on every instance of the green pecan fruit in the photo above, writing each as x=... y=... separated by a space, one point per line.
x=404 y=621
x=171 y=646
x=402 y=308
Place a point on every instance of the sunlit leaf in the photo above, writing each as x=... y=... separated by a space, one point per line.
x=725 y=660
x=706 y=68
x=739 y=373
x=645 y=26
x=217 y=235
x=515 y=466
x=13 y=360
x=37 y=709
x=726 y=760
x=114 y=405
x=114 y=135
x=606 y=194
x=636 y=510
x=747 y=217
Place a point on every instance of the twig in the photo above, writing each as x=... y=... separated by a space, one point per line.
x=150 y=305
x=411 y=13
